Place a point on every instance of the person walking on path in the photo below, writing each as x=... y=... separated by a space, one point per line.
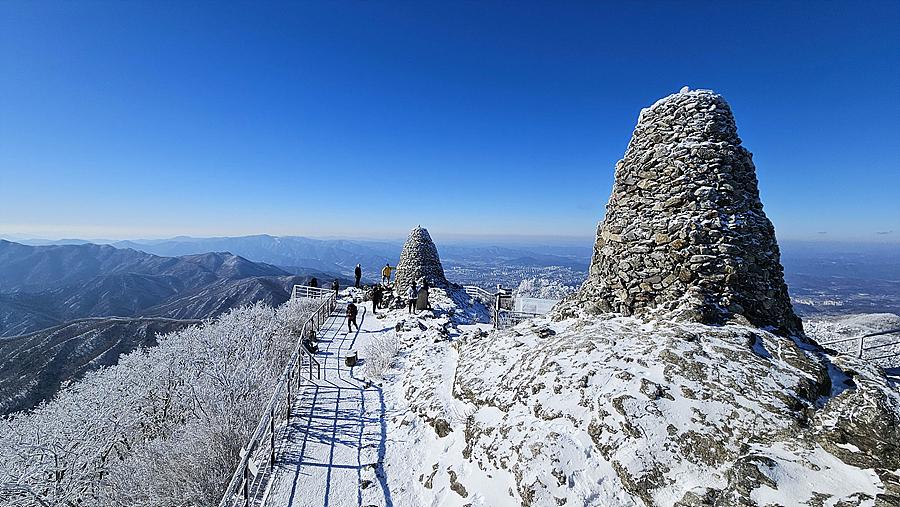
x=358 y=273
x=335 y=286
x=412 y=295
x=351 y=317
x=386 y=273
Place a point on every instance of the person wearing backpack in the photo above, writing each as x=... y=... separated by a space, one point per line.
x=351 y=317
x=412 y=295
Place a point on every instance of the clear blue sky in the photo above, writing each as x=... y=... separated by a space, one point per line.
x=152 y=119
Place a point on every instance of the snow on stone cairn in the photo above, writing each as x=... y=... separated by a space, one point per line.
x=419 y=261
x=655 y=412
x=684 y=229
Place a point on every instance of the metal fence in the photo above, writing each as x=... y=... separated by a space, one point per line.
x=305 y=291
x=252 y=476
x=878 y=346
x=502 y=306
x=503 y=319
x=475 y=292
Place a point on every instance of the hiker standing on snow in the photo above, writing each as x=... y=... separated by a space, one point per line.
x=335 y=287
x=422 y=297
x=386 y=273
x=358 y=273
x=314 y=282
x=351 y=317
x=412 y=295
x=376 y=298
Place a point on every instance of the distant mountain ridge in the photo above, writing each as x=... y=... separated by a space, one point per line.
x=36 y=268
x=300 y=255
x=69 y=309
x=338 y=256
x=45 y=286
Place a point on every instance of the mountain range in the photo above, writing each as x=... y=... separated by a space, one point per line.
x=300 y=255
x=46 y=286
x=69 y=309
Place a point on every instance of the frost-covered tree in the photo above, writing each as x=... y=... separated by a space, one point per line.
x=542 y=288
x=164 y=427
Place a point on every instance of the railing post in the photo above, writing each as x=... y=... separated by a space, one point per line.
x=859 y=353
x=247 y=483
x=272 y=427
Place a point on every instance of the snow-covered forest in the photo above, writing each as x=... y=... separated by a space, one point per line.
x=163 y=427
x=543 y=288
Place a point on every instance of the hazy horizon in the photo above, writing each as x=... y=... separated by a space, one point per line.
x=819 y=244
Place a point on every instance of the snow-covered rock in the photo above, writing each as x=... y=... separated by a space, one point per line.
x=684 y=227
x=606 y=410
x=419 y=261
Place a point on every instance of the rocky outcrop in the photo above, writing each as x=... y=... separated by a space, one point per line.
x=674 y=413
x=419 y=261
x=684 y=229
x=615 y=410
x=861 y=425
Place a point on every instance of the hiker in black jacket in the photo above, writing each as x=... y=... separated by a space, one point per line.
x=351 y=317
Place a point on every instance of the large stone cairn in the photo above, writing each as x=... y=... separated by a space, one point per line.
x=419 y=261
x=684 y=230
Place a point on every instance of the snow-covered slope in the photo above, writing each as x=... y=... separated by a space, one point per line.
x=604 y=410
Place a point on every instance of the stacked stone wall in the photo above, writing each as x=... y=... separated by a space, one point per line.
x=419 y=261
x=684 y=227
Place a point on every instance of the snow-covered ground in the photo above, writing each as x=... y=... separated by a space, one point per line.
x=594 y=410
x=333 y=449
x=348 y=444
x=587 y=410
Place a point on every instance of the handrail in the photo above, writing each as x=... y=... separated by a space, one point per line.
x=882 y=332
x=500 y=317
x=507 y=318
x=861 y=348
x=266 y=426
x=305 y=291
x=841 y=340
x=474 y=291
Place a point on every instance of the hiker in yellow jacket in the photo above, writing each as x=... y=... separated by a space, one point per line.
x=386 y=273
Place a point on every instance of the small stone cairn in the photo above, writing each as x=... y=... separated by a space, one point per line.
x=684 y=230
x=419 y=261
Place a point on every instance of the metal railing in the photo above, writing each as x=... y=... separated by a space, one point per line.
x=861 y=348
x=503 y=319
x=501 y=302
x=258 y=457
x=478 y=292
x=305 y=291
